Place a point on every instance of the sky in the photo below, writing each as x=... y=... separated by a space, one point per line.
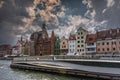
x=23 y=17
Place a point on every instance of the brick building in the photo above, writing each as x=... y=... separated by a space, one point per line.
x=5 y=50
x=43 y=44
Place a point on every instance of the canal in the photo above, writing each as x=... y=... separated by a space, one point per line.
x=6 y=73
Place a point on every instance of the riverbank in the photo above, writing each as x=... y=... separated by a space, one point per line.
x=7 y=73
x=53 y=68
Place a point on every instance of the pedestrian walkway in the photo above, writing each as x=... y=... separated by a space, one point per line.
x=108 y=70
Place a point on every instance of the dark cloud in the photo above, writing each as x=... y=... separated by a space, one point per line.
x=11 y=14
x=22 y=17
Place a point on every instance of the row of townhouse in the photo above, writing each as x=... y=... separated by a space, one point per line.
x=75 y=44
x=83 y=43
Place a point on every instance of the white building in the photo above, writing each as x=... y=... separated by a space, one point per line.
x=15 y=50
x=80 y=41
x=91 y=44
x=72 y=45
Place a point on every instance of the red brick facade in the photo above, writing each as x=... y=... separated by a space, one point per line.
x=43 y=44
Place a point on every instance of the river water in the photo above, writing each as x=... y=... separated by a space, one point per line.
x=6 y=73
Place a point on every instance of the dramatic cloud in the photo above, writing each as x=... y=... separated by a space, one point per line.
x=109 y=12
x=23 y=17
x=20 y=17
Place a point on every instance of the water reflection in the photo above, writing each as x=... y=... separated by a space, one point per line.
x=6 y=73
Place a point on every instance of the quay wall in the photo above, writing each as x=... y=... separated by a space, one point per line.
x=82 y=60
x=65 y=71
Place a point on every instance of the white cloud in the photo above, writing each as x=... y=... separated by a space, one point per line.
x=93 y=13
x=1 y=3
x=46 y=14
x=110 y=3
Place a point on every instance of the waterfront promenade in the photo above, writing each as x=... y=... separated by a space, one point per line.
x=68 y=66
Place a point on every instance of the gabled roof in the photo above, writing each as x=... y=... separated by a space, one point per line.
x=90 y=38
x=63 y=38
x=80 y=28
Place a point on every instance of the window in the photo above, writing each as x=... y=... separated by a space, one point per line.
x=82 y=41
x=73 y=50
x=98 y=49
x=78 y=33
x=113 y=42
x=103 y=49
x=114 y=49
x=103 y=43
x=107 y=43
x=78 y=41
x=78 y=45
x=91 y=49
x=107 y=49
x=90 y=44
x=82 y=45
x=64 y=46
x=82 y=37
x=78 y=50
x=78 y=37
x=82 y=49
x=98 y=44
x=63 y=42
x=81 y=33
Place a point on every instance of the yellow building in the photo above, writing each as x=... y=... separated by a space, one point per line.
x=80 y=41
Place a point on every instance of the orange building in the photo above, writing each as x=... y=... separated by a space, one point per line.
x=108 y=41
x=64 y=46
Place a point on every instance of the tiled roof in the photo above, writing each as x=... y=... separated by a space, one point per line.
x=90 y=38
x=72 y=37
x=112 y=33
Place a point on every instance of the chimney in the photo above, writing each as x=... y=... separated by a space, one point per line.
x=21 y=39
x=110 y=31
x=118 y=30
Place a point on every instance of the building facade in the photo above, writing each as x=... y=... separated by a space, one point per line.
x=43 y=44
x=57 y=46
x=5 y=50
x=108 y=41
x=80 y=41
x=91 y=44
x=32 y=48
x=64 y=46
x=15 y=50
x=26 y=48
x=72 y=44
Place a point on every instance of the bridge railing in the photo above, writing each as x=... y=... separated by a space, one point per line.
x=63 y=57
x=51 y=57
